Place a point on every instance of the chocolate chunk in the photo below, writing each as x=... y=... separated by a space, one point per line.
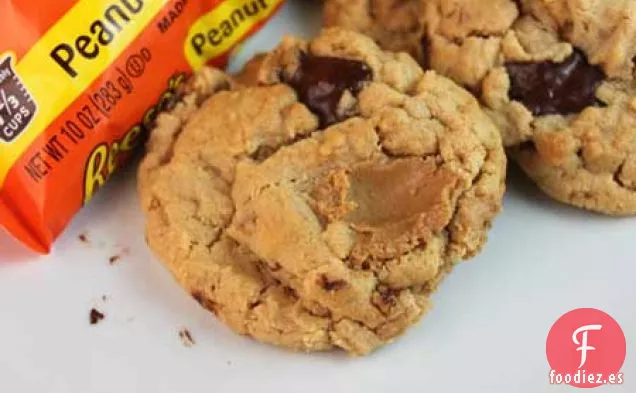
x=205 y=302
x=331 y=285
x=95 y=316
x=549 y=88
x=321 y=81
x=385 y=298
x=290 y=292
x=425 y=61
x=389 y=295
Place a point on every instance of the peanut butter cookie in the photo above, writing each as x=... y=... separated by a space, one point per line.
x=320 y=209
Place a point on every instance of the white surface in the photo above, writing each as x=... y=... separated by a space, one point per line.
x=486 y=334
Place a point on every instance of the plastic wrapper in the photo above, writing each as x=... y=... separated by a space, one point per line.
x=81 y=81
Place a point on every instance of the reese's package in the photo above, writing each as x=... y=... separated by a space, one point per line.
x=81 y=81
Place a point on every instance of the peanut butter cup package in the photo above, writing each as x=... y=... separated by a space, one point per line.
x=81 y=81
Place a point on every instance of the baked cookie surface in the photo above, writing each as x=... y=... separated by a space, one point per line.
x=556 y=76
x=396 y=25
x=321 y=208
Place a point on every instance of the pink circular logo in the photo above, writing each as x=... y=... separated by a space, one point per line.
x=586 y=349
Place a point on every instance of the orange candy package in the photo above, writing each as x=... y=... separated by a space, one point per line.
x=81 y=82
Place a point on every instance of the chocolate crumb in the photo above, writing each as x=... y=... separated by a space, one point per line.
x=83 y=238
x=117 y=257
x=95 y=316
x=331 y=285
x=114 y=259
x=186 y=337
x=104 y=298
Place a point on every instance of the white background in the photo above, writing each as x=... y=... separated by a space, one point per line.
x=486 y=333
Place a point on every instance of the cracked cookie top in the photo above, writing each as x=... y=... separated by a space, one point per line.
x=322 y=207
x=396 y=25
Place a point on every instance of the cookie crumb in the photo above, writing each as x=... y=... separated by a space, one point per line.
x=114 y=259
x=104 y=298
x=186 y=337
x=95 y=316
x=83 y=238
x=117 y=257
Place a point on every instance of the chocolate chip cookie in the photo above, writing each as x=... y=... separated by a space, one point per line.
x=321 y=208
x=564 y=95
x=556 y=76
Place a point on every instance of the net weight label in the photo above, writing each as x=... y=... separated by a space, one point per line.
x=17 y=108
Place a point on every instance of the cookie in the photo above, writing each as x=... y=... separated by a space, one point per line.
x=564 y=95
x=396 y=25
x=248 y=76
x=321 y=208
x=557 y=77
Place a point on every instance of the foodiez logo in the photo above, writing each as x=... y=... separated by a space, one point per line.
x=586 y=348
